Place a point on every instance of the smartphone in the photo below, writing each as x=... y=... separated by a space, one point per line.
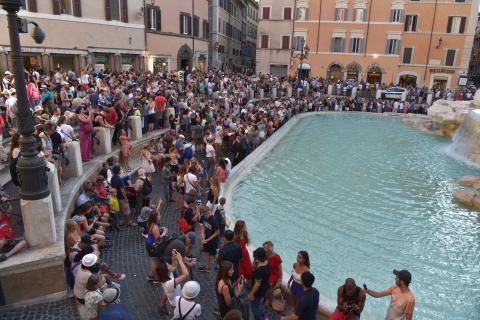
x=365 y=286
x=174 y=251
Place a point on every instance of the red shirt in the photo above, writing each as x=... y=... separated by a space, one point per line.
x=274 y=263
x=2 y=124
x=160 y=103
x=112 y=116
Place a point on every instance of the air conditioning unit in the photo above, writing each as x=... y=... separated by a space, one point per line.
x=141 y=12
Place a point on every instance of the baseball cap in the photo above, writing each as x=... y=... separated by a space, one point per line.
x=404 y=275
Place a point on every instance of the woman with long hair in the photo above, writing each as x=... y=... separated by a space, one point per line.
x=33 y=93
x=172 y=286
x=125 y=150
x=153 y=234
x=86 y=132
x=147 y=160
x=182 y=171
x=240 y=236
x=295 y=283
x=225 y=289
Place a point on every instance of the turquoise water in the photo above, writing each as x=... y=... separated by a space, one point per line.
x=365 y=195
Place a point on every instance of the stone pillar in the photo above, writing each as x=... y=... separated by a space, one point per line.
x=75 y=167
x=429 y=99
x=289 y=91
x=262 y=93
x=136 y=125
x=46 y=63
x=54 y=187
x=330 y=90
x=274 y=93
x=104 y=146
x=3 y=62
x=169 y=112
x=38 y=221
x=354 y=92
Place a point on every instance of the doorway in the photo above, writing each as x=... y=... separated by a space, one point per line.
x=440 y=84
x=184 y=58
x=335 y=73
x=407 y=80
x=374 y=75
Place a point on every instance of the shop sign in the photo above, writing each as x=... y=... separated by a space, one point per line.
x=442 y=70
x=127 y=60
x=101 y=59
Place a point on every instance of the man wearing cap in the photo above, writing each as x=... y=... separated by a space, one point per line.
x=11 y=105
x=7 y=81
x=66 y=101
x=185 y=306
x=403 y=301
x=47 y=99
x=113 y=310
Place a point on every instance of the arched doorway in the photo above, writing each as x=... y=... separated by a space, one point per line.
x=353 y=71
x=407 y=80
x=374 y=74
x=304 y=70
x=184 y=58
x=335 y=72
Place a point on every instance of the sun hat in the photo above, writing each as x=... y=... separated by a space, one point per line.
x=89 y=260
x=110 y=295
x=77 y=218
x=43 y=86
x=190 y=290
x=38 y=108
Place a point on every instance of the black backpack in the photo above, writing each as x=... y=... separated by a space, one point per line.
x=147 y=187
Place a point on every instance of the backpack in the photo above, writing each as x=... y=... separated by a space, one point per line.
x=188 y=153
x=158 y=247
x=219 y=215
x=147 y=187
x=182 y=317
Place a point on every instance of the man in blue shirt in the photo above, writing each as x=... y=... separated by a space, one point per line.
x=211 y=233
x=308 y=304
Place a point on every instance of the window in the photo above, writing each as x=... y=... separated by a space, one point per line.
x=116 y=10
x=264 y=41
x=456 y=24
x=450 y=57
x=206 y=29
x=185 y=24
x=297 y=43
x=341 y=14
x=30 y=5
x=338 y=44
x=356 y=45
x=266 y=13
x=393 y=46
x=196 y=26
x=410 y=23
x=153 y=18
x=285 y=42
x=460 y=1
x=359 y=15
x=407 y=55
x=396 y=15
x=301 y=14
x=287 y=13
x=66 y=7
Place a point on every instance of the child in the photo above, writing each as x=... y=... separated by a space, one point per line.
x=125 y=150
x=114 y=209
x=220 y=215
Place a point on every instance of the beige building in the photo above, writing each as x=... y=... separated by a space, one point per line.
x=107 y=34
x=226 y=35
x=427 y=43
x=250 y=30
x=177 y=34
x=275 y=28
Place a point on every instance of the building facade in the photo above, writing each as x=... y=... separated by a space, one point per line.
x=426 y=43
x=226 y=18
x=106 y=34
x=474 y=68
x=249 y=33
x=177 y=35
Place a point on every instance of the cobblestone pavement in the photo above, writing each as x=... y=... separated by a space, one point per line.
x=142 y=298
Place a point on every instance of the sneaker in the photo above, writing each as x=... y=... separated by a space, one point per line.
x=3 y=257
x=119 y=276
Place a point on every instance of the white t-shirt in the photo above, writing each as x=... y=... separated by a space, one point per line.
x=172 y=291
x=189 y=179
x=210 y=150
x=186 y=305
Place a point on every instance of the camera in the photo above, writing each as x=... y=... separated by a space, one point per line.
x=349 y=308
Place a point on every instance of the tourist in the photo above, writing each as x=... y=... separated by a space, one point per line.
x=147 y=161
x=211 y=234
x=232 y=252
x=9 y=247
x=307 y=306
x=241 y=238
x=180 y=187
x=210 y=157
x=185 y=306
x=233 y=314
x=93 y=299
x=125 y=150
x=118 y=183
x=113 y=310
x=220 y=215
x=152 y=236
x=351 y=300
x=172 y=285
x=260 y=284
x=12 y=109
x=191 y=182
x=143 y=188
x=85 y=116
x=114 y=209
x=402 y=302
x=89 y=266
x=225 y=289
x=166 y=179
x=295 y=282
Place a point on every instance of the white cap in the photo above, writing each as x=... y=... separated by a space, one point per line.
x=191 y=290
x=89 y=260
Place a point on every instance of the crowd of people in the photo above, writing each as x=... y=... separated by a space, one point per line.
x=214 y=123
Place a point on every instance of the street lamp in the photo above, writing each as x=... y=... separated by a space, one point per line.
x=302 y=55
x=31 y=168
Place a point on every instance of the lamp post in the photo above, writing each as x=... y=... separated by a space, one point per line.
x=31 y=168
x=302 y=55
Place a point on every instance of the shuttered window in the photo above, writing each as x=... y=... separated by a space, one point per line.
x=297 y=43
x=393 y=46
x=266 y=13
x=185 y=24
x=396 y=15
x=410 y=23
x=338 y=44
x=77 y=8
x=407 y=56
x=287 y=13
x=206 y=29
x=285 y=42
x=456 y=24
x=196 y=26
x=154 y=18
x=450 y=57
x=264 y=41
